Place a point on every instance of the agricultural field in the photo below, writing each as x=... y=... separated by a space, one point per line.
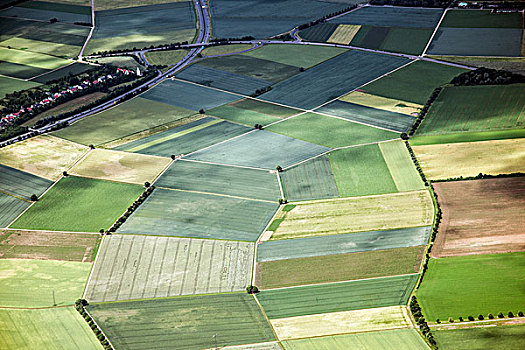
x=336 y=297
x=44 y=156
x=318 y=33
x=443 y=161
x=392 y=317
x=260 y=149
x=79 y=204
x=44 y=245
x=13 y=208
x=383 y=103
x=392 y=17
x=453 y=286
x=32 y=283
x=165 y=57
x=479 y=338
x=225 y=49
x=407 y=339
x=8 y=85
x=339 y=267
x=235 y=318
x=333 y=78
x=115 y=4
x=343 y=34
x=312 y=179
x=380 y=212
x=195 y=215
x=328 y=131
x=481 y=19
x=20 y=184
x=53 y=329
x=400 y=165
x=479 y=217
x=220 y=179
x=120 y=166
x=342 y=244
x=139 y=267
x=24 y=64
x=121 y=61
x=74 y=68
x=44 y=11
x=141 y=114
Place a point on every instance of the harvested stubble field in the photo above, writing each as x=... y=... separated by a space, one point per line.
x=381 y=212
x=30 y=283
x=220 y=179
x=443 y=161
x=187 y=214
x=11 y=208
x=472 y=285
x=338 y=267
x=43 y=155
x=408 y=339
x=21 y=184
x=120 y=166
x=479 y=338
x=139 y=267
x=400 y=165
x=335 y=297
x=343 y=34
x=384 y=103
x=480 y=216
x=327 y=131
x=140 y=114
x=391 y=317
x=44 y=245
x=51 y=329
x=184 y=322
x=342 y=244
x=79 y=204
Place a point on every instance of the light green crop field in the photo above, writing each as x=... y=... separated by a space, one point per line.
x=407 y=339
x=44 y=47
x=79 y=204
x=119 y=61
x=140 y=114
x=165 y=57
x=328 y=131
x=339 y=267
x=296 y=55
x=472 y=285
x=225 y=49
x=402 y=169
x=382 y=212
x=8 y=85
x=500 y=337
x=467 y=137
x=31 y=59
x=184 y=322
x=50 y=329
x=360 y=171
x=31 y=283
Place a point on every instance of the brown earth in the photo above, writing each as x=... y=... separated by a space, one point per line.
x=481 y=217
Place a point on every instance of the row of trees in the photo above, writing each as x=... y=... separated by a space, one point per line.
x=424 y=110
x=80 y=305
x=421 y=322
x=149 y=189
x=324 y=18
x=412 y=3
x=487 y=76
x=480 y=176
x=480 y=317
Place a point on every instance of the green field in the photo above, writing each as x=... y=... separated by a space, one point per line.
x=225 y=49
x=334 y=297
x=467 y=137
x=51 y=329
x=402 y=169
x=15 y=207
x=233 y=181
x=413 y=83
x=361 y=171
x=187 y=214
x=481 y=19
x=328 y=131
x=120 y=61
x=139 y=40
x=339 y=267
x=8 y=85
x=36 y=46
x=396 y=40
x=454 y=286
x=476 y=109
x=313 y=179
x=499 y=337
x=140 y=114
x=31 y=283
x=79 y=204
x=165 y=57
x=407 y=339
x=21 y=184
x=27 y=59
x=183 y=323
x=139 y=267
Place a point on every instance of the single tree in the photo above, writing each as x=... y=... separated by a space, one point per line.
x=34 y=197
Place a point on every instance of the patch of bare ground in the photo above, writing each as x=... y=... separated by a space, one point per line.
x=497 y=322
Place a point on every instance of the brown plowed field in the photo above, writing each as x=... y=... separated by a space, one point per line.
x=481 y=217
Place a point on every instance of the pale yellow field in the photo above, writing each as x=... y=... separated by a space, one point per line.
x=44 y=155
x=384 y=103
x=115 y=4
x=391 y=317
x=367 y=213
x=344 y=33
x=120 y=166
x=443 y=161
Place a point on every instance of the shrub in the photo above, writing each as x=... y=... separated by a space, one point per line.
x=201 y=111
x=491 y=316
x=438 y=321
x=64 y=173
x=279 y=169
x=451 y=320
x=520 y=314
x=500 y=315
x=460 y=319
x=252 y=289
x=480 y=317
x=470 y=318
x=34 y=197
x=510 y=314
x=147 y=184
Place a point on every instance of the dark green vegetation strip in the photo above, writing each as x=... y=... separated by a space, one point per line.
x=481 y=19
x=498 y=337
x=467 y=137
x=319 y=33
x=339 y=267
x=11 y=208
x=50 y=6
x=79 y=204
x=310 y=180
x=340 y=244
x=393 y=17
x=333 y=297
x=20 y=71
x=45 y=13
x=183 y=323
x=186 y=214
x=361 y=171
x=413 y=83
x=472 y=285
x=242 y=182
x=372 y=38
x=330 y=132
x=396 y=40
x=21 y=184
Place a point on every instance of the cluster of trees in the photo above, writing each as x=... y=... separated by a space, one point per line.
x=149 y=189
x=480 y=176
x=424 y=110
x=80 y=305
x=261 y=91
x=480 y=317
x=252 y=289
x=487 y=76
x=416 y=163
x=420 y=319
x=412 y=3
x=324 y=18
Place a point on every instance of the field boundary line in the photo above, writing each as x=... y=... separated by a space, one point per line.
x=367 y=196
x=15 y=196
x=163 y=171
x=354 y=121
x=84 y=294
x=478 y=323
x=216 y=194
x=280 y=184
x=51 y=71
x=266 y=317
x=221 y=142
x=224 y=164
x=35 y=308
x=283 y=119
x=308 y=159
x=84 y=156
x=171 y=236
x=168 y=297
x=258 y=241
x=424 y=53
x=81 y=53
x=10 y=77
x=50 y=231
x=101 y=330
